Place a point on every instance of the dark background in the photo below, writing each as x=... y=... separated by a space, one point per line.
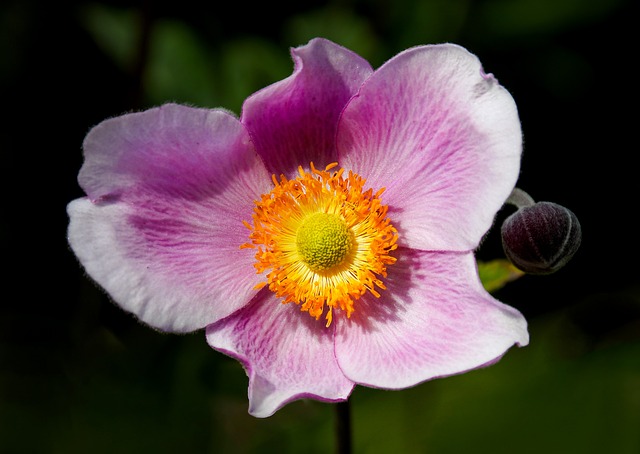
x=77 y=374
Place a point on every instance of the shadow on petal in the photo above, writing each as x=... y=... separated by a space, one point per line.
x=370 y=312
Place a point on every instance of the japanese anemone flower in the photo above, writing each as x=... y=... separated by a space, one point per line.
x=326 y=237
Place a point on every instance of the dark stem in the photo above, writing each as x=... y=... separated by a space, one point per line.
x=343 y=427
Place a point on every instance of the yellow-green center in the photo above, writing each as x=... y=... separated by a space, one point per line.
x=323 y=241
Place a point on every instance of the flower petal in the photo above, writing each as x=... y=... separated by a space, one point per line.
x=287 y=354
x=434 y=320
x=444 y=139
x=293 y=122
x=170 y=188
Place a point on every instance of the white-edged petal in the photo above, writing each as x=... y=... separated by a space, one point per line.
x=442 y=137
x=287 y=354
x=161 y=232
x=435 y=319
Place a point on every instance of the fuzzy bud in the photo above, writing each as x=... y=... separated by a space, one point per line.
x=541 y=238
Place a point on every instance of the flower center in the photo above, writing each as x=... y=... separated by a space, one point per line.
x=322 y=240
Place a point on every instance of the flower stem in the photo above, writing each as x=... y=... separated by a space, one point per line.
x=343 y=427
x=520 y=199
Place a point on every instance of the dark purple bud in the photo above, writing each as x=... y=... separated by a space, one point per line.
x=541 y=238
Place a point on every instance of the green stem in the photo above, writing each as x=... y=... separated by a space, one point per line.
x=343 y=428
x=520 y=199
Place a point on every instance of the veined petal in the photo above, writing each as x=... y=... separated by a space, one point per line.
x=434 y=320
x=286 y=354
x=293 y=122
x=170 y=188
x=172 y=148
x=444 y=139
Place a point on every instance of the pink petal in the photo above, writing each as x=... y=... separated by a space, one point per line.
x=162 y=237
x=172 y=148
x=293 y=122
x=434 y=319
x=287 y=354
x=443 y=138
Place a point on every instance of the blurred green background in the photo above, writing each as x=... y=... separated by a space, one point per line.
x=78 y=375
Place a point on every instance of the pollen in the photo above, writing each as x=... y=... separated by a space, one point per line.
x=322 y=241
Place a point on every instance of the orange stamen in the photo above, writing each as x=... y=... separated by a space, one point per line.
x=350 y=266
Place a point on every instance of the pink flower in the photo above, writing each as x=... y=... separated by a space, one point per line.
x=185 y=226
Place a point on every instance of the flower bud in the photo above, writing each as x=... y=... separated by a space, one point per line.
x=541 y=238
